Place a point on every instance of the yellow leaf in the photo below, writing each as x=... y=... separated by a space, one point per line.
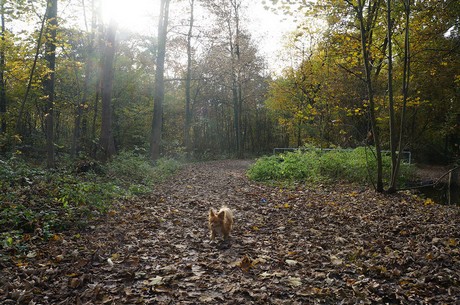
x=21 y=264
x=245 y=263
x=404 y=283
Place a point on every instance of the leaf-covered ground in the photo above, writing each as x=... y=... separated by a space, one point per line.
x=300 y=245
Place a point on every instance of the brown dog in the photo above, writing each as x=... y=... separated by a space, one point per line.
x=220 y=222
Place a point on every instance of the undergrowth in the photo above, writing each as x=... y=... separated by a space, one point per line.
x=38 y=202
x=315 y=165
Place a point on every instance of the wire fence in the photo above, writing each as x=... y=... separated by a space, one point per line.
x=406 y=155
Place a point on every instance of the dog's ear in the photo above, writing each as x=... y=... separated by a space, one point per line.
x=221 y=214
x=212 y=213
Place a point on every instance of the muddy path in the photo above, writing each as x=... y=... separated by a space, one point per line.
x=299 y=245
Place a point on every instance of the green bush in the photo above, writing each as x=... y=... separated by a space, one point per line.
x=314 y=165
x=164 y=168
x=48 y=201
x=265 y=169
x=131 y=168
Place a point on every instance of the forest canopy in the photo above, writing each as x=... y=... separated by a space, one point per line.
x=75 y=84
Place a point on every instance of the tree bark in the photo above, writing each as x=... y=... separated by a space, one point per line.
x=80 y=121
x=188 y=81
x=236 y=77
x=370 y=90
x=391 y=106
x=405 y=88
x=158 y=97
x=3 y=101
x=107 y=143
x=32 y=71
x=49 y=82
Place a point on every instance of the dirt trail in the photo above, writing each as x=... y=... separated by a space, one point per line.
x=302 y=245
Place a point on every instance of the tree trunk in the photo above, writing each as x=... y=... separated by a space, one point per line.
x=391 y=106
x=158 y=97
x=107 y=143
x=32 y=71
x=49 y=82
x=80 y=121
x=367 y=70
x=299 y=133
x=405 y=88
x=188 y=80
x=93 y=148
x=3 y=102
x=236 y=77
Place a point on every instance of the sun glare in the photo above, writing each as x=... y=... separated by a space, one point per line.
x=133 y=15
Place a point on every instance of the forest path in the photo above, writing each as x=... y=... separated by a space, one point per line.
x=297 y=245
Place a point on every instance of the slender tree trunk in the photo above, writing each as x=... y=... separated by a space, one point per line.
x=238 y=80
x=107 y=143
x=97 y=97
x=391 y=106
x=188 y=80
x=234 y=89
x=49 y=82
x=367 y=70
x=93 y=148
x=32 y=71
x=3 y=101
x=236 y=76
x=80 y=120
x=299 y=133
x=158 y=98
x=405 y=87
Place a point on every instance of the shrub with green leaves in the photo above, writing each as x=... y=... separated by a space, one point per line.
x=131 y=167
x=164 y=168
x=314 y=165
x=137 y=169
x=37 y=200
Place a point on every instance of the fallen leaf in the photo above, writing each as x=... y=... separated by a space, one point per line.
x=291 y=262
x=294 y=281
x=335 y=260
x=154 y=281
